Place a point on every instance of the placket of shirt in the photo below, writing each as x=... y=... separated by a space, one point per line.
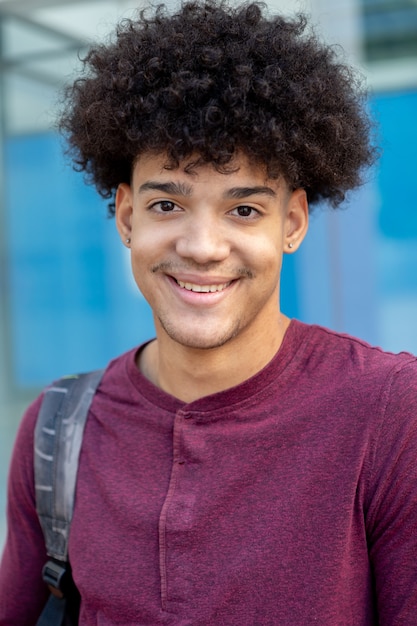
x=170 y=584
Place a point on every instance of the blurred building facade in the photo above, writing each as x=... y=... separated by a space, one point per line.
x=67 y=301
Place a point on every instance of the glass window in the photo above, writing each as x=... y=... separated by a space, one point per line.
x=390 y=29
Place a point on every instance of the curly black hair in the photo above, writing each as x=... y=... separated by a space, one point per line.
x=211 y=80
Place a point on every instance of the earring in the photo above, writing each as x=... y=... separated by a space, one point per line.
x=127 y=241
x=291 y=245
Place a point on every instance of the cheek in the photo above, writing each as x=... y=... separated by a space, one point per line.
x=148 y=248
x=140 y=258
x=265 y=254
x=150 y=238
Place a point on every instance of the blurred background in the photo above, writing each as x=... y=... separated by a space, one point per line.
x=67 y=301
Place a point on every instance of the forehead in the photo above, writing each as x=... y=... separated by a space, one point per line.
x=241 y=170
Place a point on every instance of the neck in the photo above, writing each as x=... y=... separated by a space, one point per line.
x=189 y=374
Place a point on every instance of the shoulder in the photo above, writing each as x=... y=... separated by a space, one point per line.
x=380 y=385
x=343 y=355
x=359 y=383
x=112 y=379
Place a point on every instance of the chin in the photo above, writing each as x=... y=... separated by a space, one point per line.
x=198 y=340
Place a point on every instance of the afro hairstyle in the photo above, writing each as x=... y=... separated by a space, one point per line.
x=211 y=80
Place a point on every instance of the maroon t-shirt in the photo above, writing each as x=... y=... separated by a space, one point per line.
x=290 y=499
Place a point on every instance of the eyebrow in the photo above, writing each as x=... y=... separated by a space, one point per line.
x=182 y=189
x=170 y=188
x=238 y=193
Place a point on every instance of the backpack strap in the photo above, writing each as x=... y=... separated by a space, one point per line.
x=57 y=444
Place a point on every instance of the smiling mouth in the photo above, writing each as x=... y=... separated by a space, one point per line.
x=202 y=288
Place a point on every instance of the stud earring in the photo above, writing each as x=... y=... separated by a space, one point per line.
x=127 y=241
x=291 y=245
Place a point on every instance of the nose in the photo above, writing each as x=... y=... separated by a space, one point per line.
x=203 y=239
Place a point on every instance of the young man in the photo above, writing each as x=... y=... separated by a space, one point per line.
x=242 y=468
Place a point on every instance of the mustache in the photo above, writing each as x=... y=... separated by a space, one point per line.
x=168 y=267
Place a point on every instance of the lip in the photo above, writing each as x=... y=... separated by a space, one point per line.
x=202 y=280
x=210 y=288
x=203 y=298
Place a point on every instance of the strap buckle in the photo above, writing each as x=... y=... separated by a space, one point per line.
x=54 y=575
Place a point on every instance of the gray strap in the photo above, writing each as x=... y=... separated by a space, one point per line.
x=57 y=445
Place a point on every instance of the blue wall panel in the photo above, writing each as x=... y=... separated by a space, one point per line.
x=71 y=302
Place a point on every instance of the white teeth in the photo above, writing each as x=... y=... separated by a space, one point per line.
x=202 y=288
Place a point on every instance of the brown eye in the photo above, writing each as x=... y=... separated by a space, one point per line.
x=166 y=206
x=246 y=211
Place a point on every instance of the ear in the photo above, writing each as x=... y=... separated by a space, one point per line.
x=124 y=211
x=296 y=221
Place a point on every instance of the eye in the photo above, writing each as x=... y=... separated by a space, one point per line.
x=164 y=206
x=245 y=211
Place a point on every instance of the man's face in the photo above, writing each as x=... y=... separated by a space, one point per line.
x=207 y=247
